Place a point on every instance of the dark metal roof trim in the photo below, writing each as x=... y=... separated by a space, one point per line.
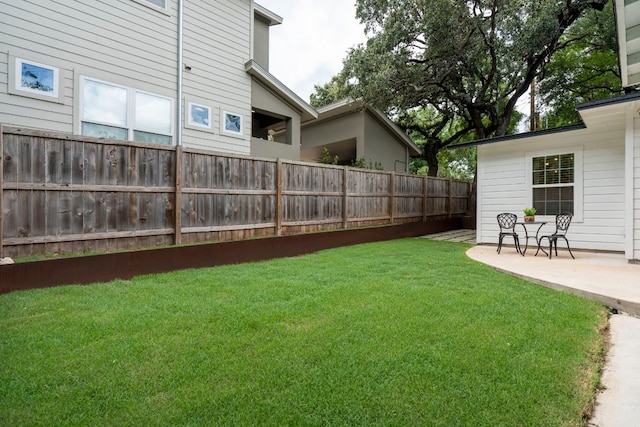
x=517 y=136
x=609 y=101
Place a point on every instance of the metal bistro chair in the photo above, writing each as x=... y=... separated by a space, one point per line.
x=563 y=221
x=507 y=223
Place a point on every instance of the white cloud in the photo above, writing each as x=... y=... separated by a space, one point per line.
x=309 y=46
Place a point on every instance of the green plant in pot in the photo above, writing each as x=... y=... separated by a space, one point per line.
x=530 y=214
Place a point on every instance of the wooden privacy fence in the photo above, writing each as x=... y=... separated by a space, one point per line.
x=69 y=194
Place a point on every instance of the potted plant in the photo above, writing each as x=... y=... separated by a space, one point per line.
x=530 y=214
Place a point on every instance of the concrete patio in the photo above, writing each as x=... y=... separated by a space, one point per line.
x=604 y=277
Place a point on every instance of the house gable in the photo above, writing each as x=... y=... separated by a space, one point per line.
x=354 y=132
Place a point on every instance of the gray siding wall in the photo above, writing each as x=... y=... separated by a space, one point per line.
x=263 y=99
x=382 y=147
x=121 y=41
x=217 y=44
x=261 y=43
x=127 y=43
x=335 y=130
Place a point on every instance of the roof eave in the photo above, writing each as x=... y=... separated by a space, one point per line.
x=267 y=15
x=516 y=136
x=270 y=81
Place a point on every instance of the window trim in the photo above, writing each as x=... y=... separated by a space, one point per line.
x=223 y=124
x=130 y=124
x=164 y=10
x=195 y=125
x=578 y=179
x=15 y=80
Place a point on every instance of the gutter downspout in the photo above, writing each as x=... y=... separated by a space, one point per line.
x=180 y=70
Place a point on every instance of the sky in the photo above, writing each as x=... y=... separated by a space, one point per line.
x=307 y=49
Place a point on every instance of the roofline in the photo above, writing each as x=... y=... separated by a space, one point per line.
x=631 y=96
x=388 y=123
x=517 y=136
x=341 y=103
x=379 y=115
x=267 y=15
x=263 y=76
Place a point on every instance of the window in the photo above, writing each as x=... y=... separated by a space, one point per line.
x=231 y=123
x=35 y=80
x=553 y=179
x=113 y=111
x=198 y=116
x=159 y=3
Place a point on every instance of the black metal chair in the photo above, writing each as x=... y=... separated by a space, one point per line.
x=507 y=223
x=563 y=221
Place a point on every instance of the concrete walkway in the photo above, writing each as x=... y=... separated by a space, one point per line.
x=609 y=279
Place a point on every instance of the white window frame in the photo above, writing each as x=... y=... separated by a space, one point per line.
x=15 y=80
x=578 y=179
x=131 y=110
x=223 y=124
x=194 y=124
x=147 y=3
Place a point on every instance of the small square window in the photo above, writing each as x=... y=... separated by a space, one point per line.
x=232 y=123
x=198 y=115
x=35 y=80
x=159 y=5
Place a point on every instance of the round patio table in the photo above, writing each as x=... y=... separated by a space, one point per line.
x=526 y=224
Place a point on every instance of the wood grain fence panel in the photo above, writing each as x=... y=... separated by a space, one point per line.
x=88 y=212
x=76 y=214
x=9 y=158
x=24 y=160
x=38 y=204
x=38 y=166
x=77 y=159
x=69 y=193
x=64 y=212
x=100 y=218
x=91 y=163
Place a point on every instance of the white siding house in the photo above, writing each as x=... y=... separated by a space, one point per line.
x=590 y=170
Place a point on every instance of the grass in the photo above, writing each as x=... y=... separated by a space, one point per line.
x=401 y=333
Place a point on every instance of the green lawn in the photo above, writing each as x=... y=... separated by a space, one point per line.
x=402 y=333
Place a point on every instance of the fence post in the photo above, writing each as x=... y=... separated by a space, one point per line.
x=178 y=196
x=450 y=207
x=425 y=194
x=1 y=188
x=392 y=199
x=279 y=200
x=345 y=197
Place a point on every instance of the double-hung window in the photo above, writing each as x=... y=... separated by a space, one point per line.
x=553 y=183
x=109 y=110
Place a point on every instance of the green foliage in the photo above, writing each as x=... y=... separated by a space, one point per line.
x=349 y=336
x=530 y=211
x=361 y=163
x=586 y=69
x=327 y=159
x=337 y=89
x=466 y=63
